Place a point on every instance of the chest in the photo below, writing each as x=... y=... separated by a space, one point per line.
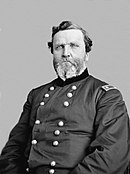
x=74 y=105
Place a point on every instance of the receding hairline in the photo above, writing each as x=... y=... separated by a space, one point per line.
x=63 y=31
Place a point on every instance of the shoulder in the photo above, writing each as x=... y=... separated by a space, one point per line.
x=104 y=90
x=103 y=85
x=110 y=94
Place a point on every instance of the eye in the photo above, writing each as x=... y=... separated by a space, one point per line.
x=58 y=47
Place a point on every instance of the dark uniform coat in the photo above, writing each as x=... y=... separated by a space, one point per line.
x=79 y=126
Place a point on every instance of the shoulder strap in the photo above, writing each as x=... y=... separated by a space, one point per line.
x=108 y=87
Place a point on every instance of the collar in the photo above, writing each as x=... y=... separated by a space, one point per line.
x=60 y=82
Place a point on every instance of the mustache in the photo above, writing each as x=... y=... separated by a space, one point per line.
x=67 y=61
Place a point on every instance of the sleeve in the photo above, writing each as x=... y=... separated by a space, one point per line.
x=12 y=159
x=109 y=151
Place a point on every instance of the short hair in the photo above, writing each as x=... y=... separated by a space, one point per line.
x=67 y=25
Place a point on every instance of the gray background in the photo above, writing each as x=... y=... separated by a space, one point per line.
x=25 y=62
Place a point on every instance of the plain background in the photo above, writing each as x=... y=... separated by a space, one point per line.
x=26 y=62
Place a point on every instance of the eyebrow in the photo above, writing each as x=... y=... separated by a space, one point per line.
x=73 y=42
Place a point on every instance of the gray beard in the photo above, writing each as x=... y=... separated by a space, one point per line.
x=67 y=70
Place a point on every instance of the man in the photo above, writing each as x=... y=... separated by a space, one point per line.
x=75 y=124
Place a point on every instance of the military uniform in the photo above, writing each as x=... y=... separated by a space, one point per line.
x=79 y=126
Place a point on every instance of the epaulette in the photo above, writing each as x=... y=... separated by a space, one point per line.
x=108 y=87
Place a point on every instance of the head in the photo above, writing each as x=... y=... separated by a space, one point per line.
x=70 y=47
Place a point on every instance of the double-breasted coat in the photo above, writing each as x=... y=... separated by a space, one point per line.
x=79 y=126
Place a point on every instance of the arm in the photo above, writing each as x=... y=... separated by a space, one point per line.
x=109 y=152
x=12 y=159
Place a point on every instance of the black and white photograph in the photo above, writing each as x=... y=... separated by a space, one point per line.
x=64 y=87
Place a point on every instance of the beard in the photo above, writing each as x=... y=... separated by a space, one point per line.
x=67 y=69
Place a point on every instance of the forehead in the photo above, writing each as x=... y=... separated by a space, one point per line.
x=70 y=35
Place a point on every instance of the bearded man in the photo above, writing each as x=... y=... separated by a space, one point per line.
x=76 y=124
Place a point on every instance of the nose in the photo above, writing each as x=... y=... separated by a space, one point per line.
x=66 y=51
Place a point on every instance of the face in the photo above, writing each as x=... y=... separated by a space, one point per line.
x=69 y=55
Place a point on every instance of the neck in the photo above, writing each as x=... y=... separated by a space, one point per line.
x=83 y=75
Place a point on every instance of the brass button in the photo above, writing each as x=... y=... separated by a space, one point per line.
x=52 y=88
x=55 y=143
x=61 y=123
x=27 y=169
x=69 y=94
x=46 y=95
x=42 y=103
x=66 y=103
x=57 y=132
x=74 y=87
x=37 y=122
x=51 y=171
x=53 y=163
x=34 y=142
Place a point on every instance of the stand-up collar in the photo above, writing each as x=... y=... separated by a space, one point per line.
x=60 y=82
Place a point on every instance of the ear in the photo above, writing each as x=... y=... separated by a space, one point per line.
x=87 y=57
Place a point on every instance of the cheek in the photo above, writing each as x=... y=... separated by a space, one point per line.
x=57 y=55
x=56 y=58
x=79 y=52
x=78 y=55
